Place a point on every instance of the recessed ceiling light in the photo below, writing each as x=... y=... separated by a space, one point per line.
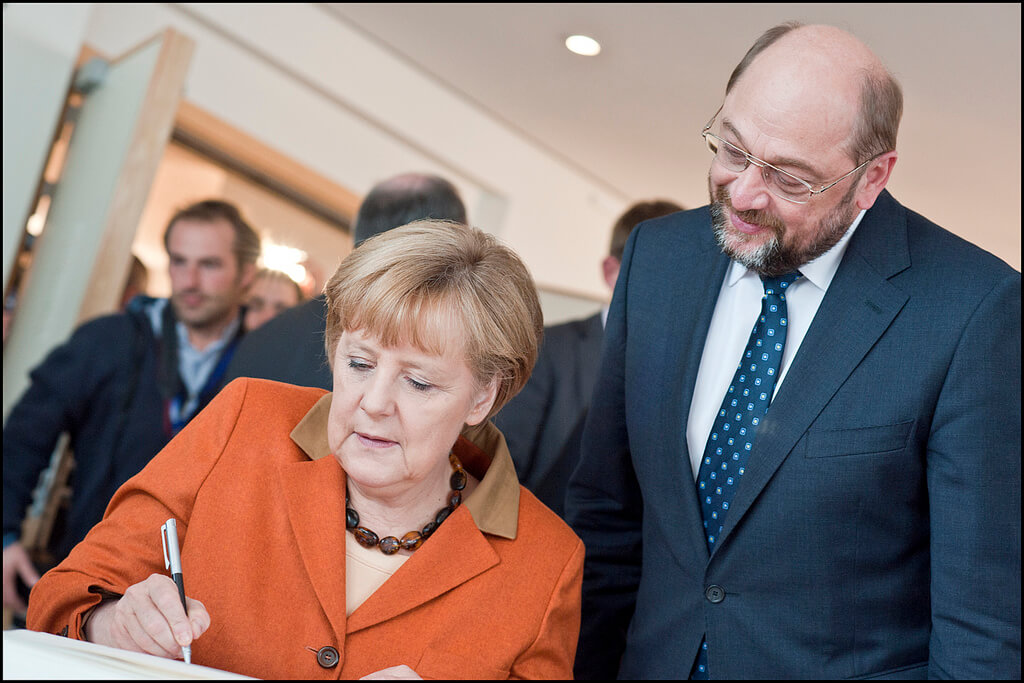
x=583 y=45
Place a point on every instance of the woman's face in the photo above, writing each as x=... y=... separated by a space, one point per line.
x=397 y=411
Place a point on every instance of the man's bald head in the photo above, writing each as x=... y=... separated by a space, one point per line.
x=406 y=198
x=830 y=65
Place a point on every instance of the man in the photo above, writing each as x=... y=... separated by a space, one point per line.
x=542 y=423
x=290 y=348
x=867 y=524
x=124 y=384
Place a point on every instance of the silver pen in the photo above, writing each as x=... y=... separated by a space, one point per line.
x=172 y=561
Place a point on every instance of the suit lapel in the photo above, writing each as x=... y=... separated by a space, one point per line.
x=314 y=493
x=457 y=552
x=687 y=321
x=858 y=307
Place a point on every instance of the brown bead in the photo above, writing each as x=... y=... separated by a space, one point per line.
x=365 y=537
x=442 y=515
x=412 y=540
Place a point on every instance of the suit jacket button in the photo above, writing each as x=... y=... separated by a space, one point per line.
x=327 y=657
x=714 y=594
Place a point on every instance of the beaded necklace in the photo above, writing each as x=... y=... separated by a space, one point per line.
x=389 y=545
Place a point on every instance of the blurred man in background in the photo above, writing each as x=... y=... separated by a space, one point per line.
x=124 y=384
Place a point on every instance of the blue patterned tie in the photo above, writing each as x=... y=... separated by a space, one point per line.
x=744 y=406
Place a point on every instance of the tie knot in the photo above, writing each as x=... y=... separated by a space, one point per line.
x=777 y=285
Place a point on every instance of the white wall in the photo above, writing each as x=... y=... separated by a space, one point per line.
x=41 y=44
x=305 y=84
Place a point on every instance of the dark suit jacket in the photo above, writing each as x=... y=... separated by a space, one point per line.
x=287 y=348
x=538 y=422
x=877 y=530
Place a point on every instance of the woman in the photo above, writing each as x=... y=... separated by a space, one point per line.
x=431 y=328
x=272 y=292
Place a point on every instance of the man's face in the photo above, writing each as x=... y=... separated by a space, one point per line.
x=207 y=285
x=796 y=128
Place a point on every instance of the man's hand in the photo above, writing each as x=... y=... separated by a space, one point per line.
x=148 y=618
x=17 y=563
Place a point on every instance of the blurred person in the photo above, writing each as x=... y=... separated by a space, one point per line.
x=124 y=384
x=802 y=459
x=543 y=423
x=290 y=347
x=272 y=292
x=381 y=531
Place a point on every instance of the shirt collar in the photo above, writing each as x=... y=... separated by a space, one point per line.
x=494 y=504
x=818 y=272
x=185 y=344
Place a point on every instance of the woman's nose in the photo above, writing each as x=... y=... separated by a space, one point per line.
x=378 y=398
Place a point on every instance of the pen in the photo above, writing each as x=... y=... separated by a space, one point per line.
x=172 y=561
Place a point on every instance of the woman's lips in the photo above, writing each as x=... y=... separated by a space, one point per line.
x=374 y=441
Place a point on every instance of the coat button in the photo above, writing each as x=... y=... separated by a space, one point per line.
x=327 y=657
x=714 y=594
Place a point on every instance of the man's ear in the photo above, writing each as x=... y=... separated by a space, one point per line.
x=610 y=269
x=875 y=179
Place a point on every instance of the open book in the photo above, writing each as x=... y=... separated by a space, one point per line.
x=34 y=655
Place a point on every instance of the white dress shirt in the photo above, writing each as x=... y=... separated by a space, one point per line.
x=739 y=305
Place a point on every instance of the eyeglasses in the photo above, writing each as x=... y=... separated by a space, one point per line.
x=780 y=183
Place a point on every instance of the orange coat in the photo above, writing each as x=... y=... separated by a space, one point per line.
x=494 y=593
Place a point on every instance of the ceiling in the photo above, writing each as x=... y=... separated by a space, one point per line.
x=629 y=119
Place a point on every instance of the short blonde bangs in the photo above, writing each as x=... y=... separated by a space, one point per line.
x=417 y=283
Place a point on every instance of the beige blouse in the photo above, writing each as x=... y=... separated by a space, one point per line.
x=365 y=570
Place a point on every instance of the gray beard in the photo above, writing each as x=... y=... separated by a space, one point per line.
x=771 y=259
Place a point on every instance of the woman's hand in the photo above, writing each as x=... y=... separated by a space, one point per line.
x=393 y=673
x=148 y=618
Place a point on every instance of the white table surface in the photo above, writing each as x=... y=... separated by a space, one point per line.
x=34 y=655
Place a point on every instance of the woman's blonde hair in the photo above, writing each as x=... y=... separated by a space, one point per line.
x=415 y=283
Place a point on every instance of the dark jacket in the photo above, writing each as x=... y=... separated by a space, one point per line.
x=542 y=423
x=876 y=533
x=288 y=348
x=101 y=388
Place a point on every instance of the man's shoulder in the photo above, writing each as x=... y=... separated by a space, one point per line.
x=288 y=348
x=934 y=242
x=678 y=235
x=574 y=328
x=689 y=224
x=566 y=339
x=932 y=251
x=113 y=331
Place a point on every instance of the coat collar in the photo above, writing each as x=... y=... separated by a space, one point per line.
x=314 y=494
x=494 y=504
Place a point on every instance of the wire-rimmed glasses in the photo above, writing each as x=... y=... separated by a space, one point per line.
x=780 y=183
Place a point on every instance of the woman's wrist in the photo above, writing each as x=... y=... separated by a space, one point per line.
x=90 y=622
